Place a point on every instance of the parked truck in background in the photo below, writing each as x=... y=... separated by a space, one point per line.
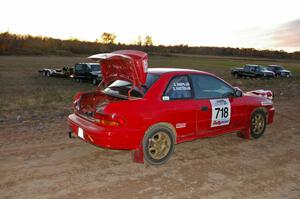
x=88 y=72
x=253 y=71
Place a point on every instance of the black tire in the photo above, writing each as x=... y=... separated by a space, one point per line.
x=78 y=80
x=236 y=76
x=94 y=81
x=258 y=124
x=48 y=74
x=160 y=151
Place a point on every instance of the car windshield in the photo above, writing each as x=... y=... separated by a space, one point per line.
x=120 y=88
x=279 y=68
x=261 y=68
x=95 y=67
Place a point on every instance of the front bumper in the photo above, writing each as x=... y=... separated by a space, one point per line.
x=271 y=113
x=285 y=75
x=106 y=137
x=268 y=75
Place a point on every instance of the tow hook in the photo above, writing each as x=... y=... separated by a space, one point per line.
x=72 y=135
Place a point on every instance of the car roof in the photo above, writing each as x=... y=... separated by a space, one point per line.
x=255 y=65
x=161 y=71
x=89 y=63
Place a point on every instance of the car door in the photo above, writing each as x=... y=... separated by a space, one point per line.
x=81 y=70
x=179 y=103
x=253 y=71
x=247 y=71
x=218 y=110
x=78 y=70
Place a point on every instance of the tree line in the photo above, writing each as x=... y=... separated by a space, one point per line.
x=15 y=44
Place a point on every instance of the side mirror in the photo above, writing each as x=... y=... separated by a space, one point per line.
x=238 y=93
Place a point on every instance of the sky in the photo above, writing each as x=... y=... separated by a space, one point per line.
x=261 y=24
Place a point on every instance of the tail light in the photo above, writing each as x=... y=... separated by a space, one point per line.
x=76 y=102
x=109 y=120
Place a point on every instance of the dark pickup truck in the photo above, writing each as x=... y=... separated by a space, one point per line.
x=280 y=71
x=88 y=72
x=253 y=71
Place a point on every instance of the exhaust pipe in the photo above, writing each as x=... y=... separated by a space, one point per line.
x=72 y=135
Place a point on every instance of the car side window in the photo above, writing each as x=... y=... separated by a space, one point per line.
x=85 y=68
x=78 y=67
x=179 y=88
x=209 y=87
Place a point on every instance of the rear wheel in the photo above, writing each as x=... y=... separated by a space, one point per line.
x=258 y=124
x=48 y=74
x=158 y=145
x=78 y=80
x=94 y=81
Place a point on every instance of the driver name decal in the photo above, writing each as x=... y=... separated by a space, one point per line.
x=221 y=112
x=181 y=86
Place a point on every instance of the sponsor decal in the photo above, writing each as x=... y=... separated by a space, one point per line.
x=221 y=112
x=180 y=125
x=165 y=98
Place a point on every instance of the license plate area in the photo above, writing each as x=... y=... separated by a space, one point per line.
x=80 y=133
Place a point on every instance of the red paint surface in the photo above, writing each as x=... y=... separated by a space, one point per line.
x=140 y=114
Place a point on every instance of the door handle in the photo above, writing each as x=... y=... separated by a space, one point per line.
x=204 y=108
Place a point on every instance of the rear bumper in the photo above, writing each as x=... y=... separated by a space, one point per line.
x=106 y=137
x=285 y=75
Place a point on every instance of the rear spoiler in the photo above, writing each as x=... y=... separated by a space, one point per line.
x=263 y=93
x=107 y=56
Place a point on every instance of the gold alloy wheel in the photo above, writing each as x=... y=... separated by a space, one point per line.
x=159 y=145
x=258 y=124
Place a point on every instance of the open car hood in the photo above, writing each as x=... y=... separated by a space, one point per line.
x=128 y=65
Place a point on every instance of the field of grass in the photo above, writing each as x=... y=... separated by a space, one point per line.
x=26 y=93
x=38 y=160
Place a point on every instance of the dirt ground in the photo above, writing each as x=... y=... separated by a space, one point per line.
x=38 y=160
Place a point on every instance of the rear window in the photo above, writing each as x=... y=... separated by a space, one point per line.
x=95 y=67
x=120 y=88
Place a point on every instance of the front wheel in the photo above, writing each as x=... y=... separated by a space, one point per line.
x=158 y=145
x=258 y=124
x=94 y=81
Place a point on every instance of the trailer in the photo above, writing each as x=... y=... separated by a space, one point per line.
x=57 y=72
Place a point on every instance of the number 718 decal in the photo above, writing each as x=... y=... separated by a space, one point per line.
x=221 y=112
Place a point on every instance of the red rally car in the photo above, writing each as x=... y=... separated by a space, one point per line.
x=149 y=110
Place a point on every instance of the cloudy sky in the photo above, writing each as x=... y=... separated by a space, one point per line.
x=261 y=24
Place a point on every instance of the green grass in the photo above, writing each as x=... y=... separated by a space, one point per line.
x=24 y=92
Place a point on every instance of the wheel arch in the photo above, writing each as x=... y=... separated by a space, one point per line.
x=166 y=124
x=263 y=109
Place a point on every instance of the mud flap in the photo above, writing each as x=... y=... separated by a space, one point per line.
x=137 y=155
x=244 y=134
